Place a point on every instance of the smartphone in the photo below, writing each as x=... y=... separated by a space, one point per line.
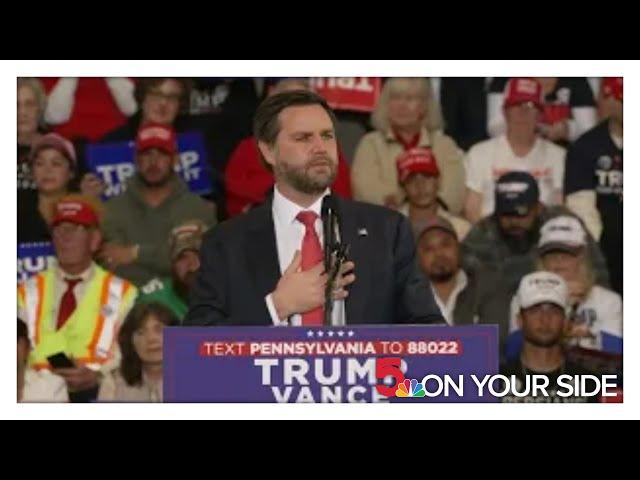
x=60 y=360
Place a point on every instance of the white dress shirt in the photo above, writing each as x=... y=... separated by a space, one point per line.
x=60 y=287
x=289 y=234
x=448 y=308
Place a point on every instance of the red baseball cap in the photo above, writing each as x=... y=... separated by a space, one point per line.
x=416 y=160
x=156 y=135
x=523 y=90
x=75 y=210
x=57 y=142
x=612 y=86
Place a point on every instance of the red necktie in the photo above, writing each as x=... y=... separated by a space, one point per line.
x=67 y=303
x=311 y=255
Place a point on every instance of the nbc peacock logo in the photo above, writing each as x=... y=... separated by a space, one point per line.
x=410 y=389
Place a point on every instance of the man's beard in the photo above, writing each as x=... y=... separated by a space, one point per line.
x=442 y=272
x=300 y=179
x=522 y=244
x=542 y=343
x=441 y=277
x=181 y=287
x=156 y=183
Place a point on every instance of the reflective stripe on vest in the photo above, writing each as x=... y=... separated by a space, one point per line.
x=34 y=297
x=108 y=294
x=110 y=301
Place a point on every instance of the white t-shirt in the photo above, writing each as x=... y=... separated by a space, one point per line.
x=489 y=160
x=601 y=311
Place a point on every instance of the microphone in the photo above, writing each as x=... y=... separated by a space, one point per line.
x=330 y=227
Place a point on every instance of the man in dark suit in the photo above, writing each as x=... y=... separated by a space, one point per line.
x=265 y=267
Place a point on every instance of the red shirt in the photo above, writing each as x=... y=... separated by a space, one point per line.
x=94 y=113
x=248 y=181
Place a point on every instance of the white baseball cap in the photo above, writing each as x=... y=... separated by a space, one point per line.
x=562 y=233
x=542 y=287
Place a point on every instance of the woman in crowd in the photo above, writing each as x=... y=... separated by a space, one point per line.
x=32 y=102
x=52 y=165
x=139 y=376
x=407 y=116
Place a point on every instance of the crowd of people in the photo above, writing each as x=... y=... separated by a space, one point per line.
x=513 y=188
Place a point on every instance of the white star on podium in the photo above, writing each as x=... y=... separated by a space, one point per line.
x=340 y=333
x=330 y=333
x=310 y=333
x=350 y=333
x=321 y=333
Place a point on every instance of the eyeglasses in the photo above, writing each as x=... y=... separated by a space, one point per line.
x=158 y=95
x=66 y=228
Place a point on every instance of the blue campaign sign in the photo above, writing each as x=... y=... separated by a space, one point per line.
x=33 y=258
x=114 y=163
x=346 y=364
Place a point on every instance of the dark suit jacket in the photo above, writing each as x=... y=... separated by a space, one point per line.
x=239 y=267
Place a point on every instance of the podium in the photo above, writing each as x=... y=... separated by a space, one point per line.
x=327 y=364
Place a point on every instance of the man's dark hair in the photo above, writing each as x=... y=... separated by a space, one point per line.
x=266 y=126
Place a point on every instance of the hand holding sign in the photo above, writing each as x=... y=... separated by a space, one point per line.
x=358 y=94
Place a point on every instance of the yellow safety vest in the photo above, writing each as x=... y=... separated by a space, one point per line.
x=88 y=335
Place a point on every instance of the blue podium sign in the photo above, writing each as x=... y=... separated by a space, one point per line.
x=329 y=365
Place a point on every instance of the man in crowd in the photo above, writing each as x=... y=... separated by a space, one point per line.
x=593 y=181
x=419 y=177
x=75 y=307
x=465 y=296
x=521 y=148
x=506 y=241
x=138 y=222
x=543 y=304
x=186 y=240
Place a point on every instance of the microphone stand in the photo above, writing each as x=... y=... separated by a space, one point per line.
x=328 y=226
